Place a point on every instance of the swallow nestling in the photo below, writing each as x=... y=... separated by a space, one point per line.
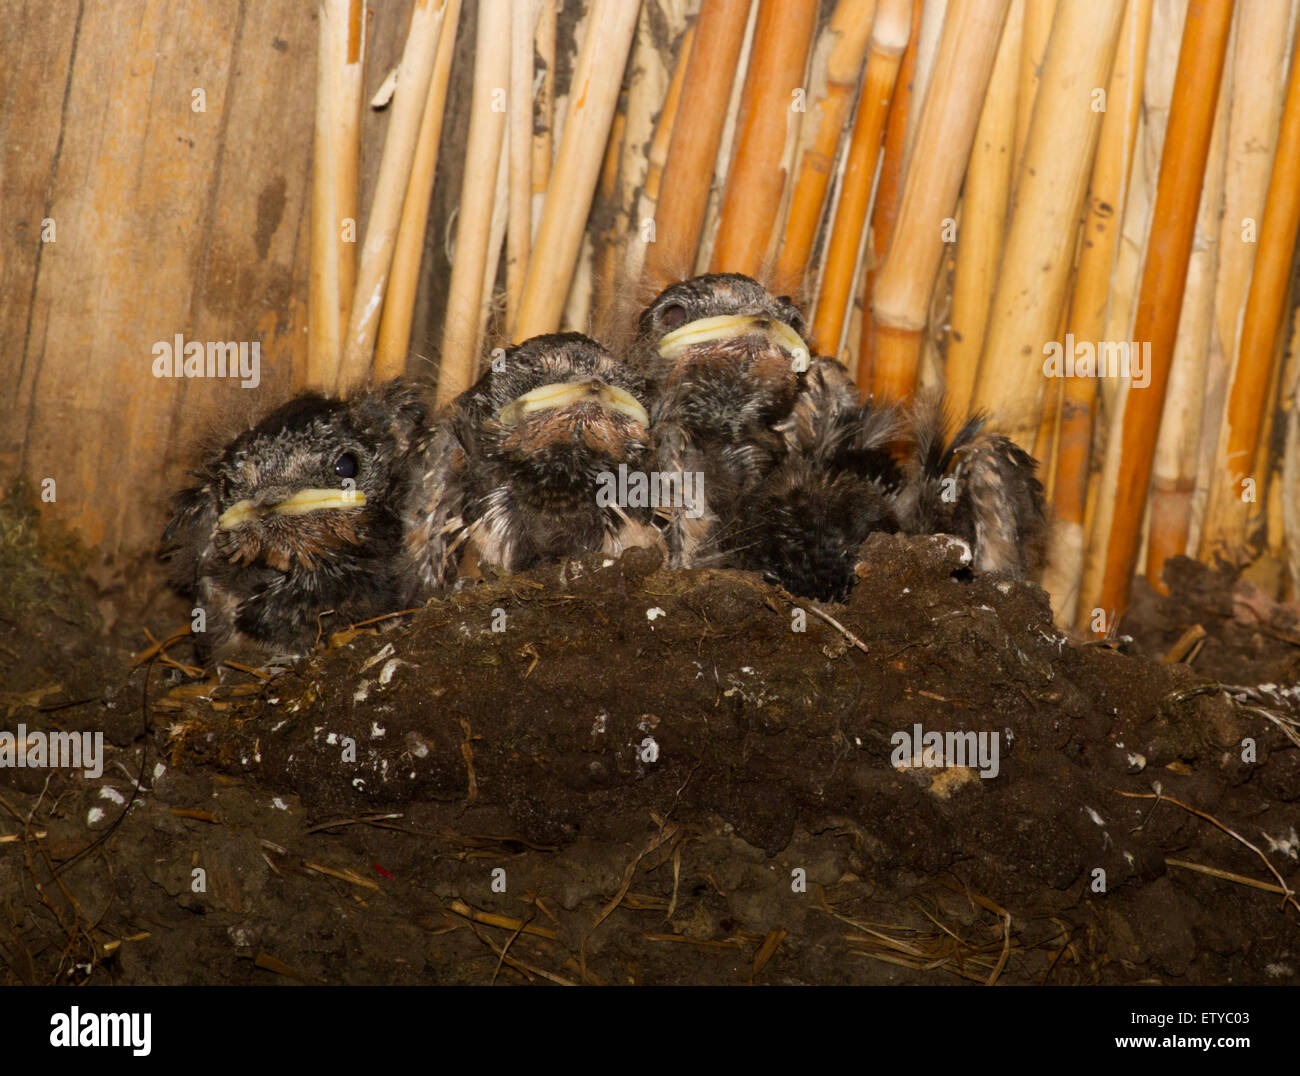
x=977 y=485
x=297 y=517
x=524 y=470
x=727 y=360
x=803 y=524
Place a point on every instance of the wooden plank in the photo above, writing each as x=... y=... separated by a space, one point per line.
x=170 y=143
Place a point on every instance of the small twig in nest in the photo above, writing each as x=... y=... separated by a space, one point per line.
x=386 y=616
x=506 y=922
x=1289 y=896
x=699 y=943
x=1185 y=648
x=344 y=875
x=159 y=647
x=467 y=752
x=261 y=674
x=527 y=970
x=660 y=838
x=822 y=614
x=366 y=821
x=771 y=943
x=528 y=650
x=1215 y=872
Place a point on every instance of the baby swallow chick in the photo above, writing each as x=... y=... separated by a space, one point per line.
x=727 y=360
x=802 y=524
x=979 y=486
x=297 y=517
x=530 y=460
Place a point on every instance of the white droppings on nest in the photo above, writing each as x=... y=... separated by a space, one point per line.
x=1288 y=845
x=241 y=936
x=377 y=657
x=1279 y=971
x=279 y=804
x=907 y=590
x=1095 y=816
x=965 y=557
x=158 y=770
x=108 y=792
x=376 y=730
x=598 y=726
x=607 y=563
x=332 y=738
x=1137 y=762
x=416 y=745
x=94 y=815
x=363 y=689
x=1004 y=587
x=654 y=614
x=754 y=693
x=279 y=725
x=275 y=701
x=359 y=783
x=386 y=673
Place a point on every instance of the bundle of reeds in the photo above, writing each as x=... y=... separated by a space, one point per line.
x=839 y=148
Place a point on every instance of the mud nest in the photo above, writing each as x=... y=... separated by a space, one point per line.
x=612 y=773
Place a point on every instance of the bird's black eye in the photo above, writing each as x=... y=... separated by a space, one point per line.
x=672 y=316
x=346 y=466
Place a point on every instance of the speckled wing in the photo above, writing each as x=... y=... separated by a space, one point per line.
x=189 y=533
x=803 y=525
x=997 y=478
x=194 y=563
x=977 y=485
x=826 y=392
x=433 y=524
x=686 y=535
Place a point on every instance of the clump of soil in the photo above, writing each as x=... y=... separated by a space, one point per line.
x=612 y=773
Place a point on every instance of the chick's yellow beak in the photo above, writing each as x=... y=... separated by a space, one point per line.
x=302 y=502
x=547 y=397
x=730 y=326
